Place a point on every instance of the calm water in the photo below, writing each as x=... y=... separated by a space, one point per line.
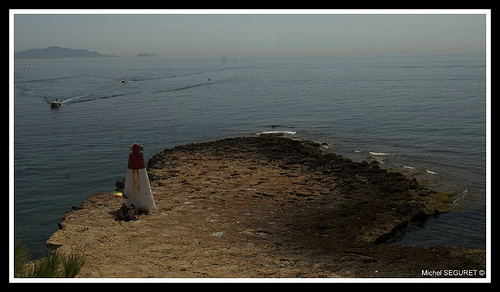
x=422 y=113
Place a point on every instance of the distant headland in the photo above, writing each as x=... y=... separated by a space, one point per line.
x=54 y=52
x=147 y=55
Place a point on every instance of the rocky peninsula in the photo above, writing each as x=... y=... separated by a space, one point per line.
x=262 y=207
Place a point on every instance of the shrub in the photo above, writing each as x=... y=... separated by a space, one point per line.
x=21 y=257
x=53 y=265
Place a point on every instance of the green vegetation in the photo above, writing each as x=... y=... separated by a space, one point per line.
x=53 y=265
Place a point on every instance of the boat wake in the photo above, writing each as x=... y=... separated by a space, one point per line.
x=277 y=132
x=78 y=99
x=92 y=98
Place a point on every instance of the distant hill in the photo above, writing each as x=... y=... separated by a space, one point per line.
x=57 y=52
x=147 y=55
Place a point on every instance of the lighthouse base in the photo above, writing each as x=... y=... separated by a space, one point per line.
x=137 y=190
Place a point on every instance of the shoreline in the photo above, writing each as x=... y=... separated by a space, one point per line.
x=263 y=207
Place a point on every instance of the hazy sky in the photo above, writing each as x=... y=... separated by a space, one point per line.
x=218 y=34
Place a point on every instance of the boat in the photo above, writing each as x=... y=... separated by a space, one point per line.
x=124 y=80
x=55 y=103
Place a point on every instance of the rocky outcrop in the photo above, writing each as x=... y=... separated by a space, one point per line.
x=264 y=206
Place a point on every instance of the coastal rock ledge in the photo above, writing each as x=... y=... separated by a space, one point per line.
x=264 y=206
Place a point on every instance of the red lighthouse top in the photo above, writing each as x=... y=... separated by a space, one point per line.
x=136 y=159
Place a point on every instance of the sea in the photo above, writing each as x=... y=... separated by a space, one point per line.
x=422 y=113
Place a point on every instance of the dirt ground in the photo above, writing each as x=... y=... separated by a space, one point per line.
x=262 y=207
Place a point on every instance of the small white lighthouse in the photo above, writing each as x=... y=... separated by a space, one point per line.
x=137 y=190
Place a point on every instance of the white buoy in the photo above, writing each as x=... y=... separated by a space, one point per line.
x=137 y=190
